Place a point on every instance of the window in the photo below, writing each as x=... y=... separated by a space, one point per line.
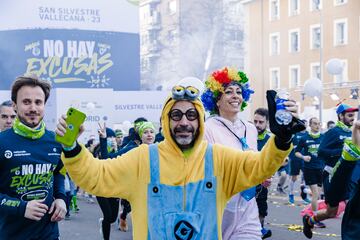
x=172 y=34
x=235 y=9
x=340 y=32
x=236 y=35
x=172 y=7
x=145 y=64
x=315 y=5
x=294 y=40
x=144 y=39
x=155 y=18
x=339 y=2
x=315 y=70
x=294 y=7
x=294 y=76
x=274 y=78
x=274 y=44
x=343 y=77
x=274 y=9
x=144 y=12
x=315 y=36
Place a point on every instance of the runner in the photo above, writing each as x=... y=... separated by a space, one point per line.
x=261 y=121
x=32 y=193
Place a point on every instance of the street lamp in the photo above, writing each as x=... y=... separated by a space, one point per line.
x=354 y=93
x=334 y=97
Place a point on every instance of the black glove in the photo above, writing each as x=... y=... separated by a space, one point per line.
x=283 y=133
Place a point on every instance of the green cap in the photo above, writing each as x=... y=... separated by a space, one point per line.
x=144 y=126
x=118 y=133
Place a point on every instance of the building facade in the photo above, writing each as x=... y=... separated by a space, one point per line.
x=290 y=41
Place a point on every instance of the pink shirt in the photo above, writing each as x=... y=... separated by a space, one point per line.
x=241 y=217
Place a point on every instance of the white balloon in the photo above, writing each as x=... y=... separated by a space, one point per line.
x=90 y=106
x=313 y=87
x=126 y=125
x=334 y=66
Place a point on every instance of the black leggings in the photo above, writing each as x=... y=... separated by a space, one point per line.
x=126 y=209
x=110 y=209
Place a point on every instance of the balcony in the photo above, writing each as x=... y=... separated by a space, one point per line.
x=154 y=23
x=153 y=47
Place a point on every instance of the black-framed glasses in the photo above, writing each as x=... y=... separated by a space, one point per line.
x=191 y=114
x=188 y=93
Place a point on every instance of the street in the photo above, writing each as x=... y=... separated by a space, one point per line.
x=284 y=221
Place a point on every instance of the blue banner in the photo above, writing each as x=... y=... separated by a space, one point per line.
x=71 y=58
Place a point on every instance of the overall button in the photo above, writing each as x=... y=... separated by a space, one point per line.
x=209 y=185
x=155 y=189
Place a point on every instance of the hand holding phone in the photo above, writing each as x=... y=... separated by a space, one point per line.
x=68 y=128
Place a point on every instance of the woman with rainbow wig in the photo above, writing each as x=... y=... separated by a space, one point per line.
x=227 y=93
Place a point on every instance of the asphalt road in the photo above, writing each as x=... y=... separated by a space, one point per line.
x=284 y=220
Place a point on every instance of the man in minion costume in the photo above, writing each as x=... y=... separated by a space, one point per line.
x=178 y=188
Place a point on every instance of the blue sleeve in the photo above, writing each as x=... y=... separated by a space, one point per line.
x=59 y=182
x=300 y=145
x=356 y=173
x=103 y=149
x=104 y=153
x=12 y=206
x=326 y=148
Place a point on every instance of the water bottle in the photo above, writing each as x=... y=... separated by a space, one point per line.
x=282 y=116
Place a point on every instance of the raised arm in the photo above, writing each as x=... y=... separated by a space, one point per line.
x=242 y=170
x=116 y=177
x=111 y=178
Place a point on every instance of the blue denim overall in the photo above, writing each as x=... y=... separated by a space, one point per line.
x=182 y=212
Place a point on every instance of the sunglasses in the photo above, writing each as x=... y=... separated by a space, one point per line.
x=177 y=115
x=187 y=93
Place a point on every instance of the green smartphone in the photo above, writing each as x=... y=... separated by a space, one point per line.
x=74 y=120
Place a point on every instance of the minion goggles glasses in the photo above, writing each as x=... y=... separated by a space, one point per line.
x=185 y=93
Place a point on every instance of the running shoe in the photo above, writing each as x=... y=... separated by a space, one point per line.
x=303 y=193
x=266 y=233
x=307 y=227
x=280 y=190
x=306 y=201
x=291 y=199
x=319 y=225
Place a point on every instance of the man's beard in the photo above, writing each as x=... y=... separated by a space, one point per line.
x=260 y=131
x=31 y=124
x=184 y=142
x=348 y=123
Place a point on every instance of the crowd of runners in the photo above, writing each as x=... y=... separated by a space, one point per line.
x=199 y=176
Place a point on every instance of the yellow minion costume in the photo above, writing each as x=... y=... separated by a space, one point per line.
x=167 y=188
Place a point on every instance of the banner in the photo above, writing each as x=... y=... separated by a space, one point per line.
x=74 y=44
x=128 y=106
x=111 y=107
x=94 y=103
